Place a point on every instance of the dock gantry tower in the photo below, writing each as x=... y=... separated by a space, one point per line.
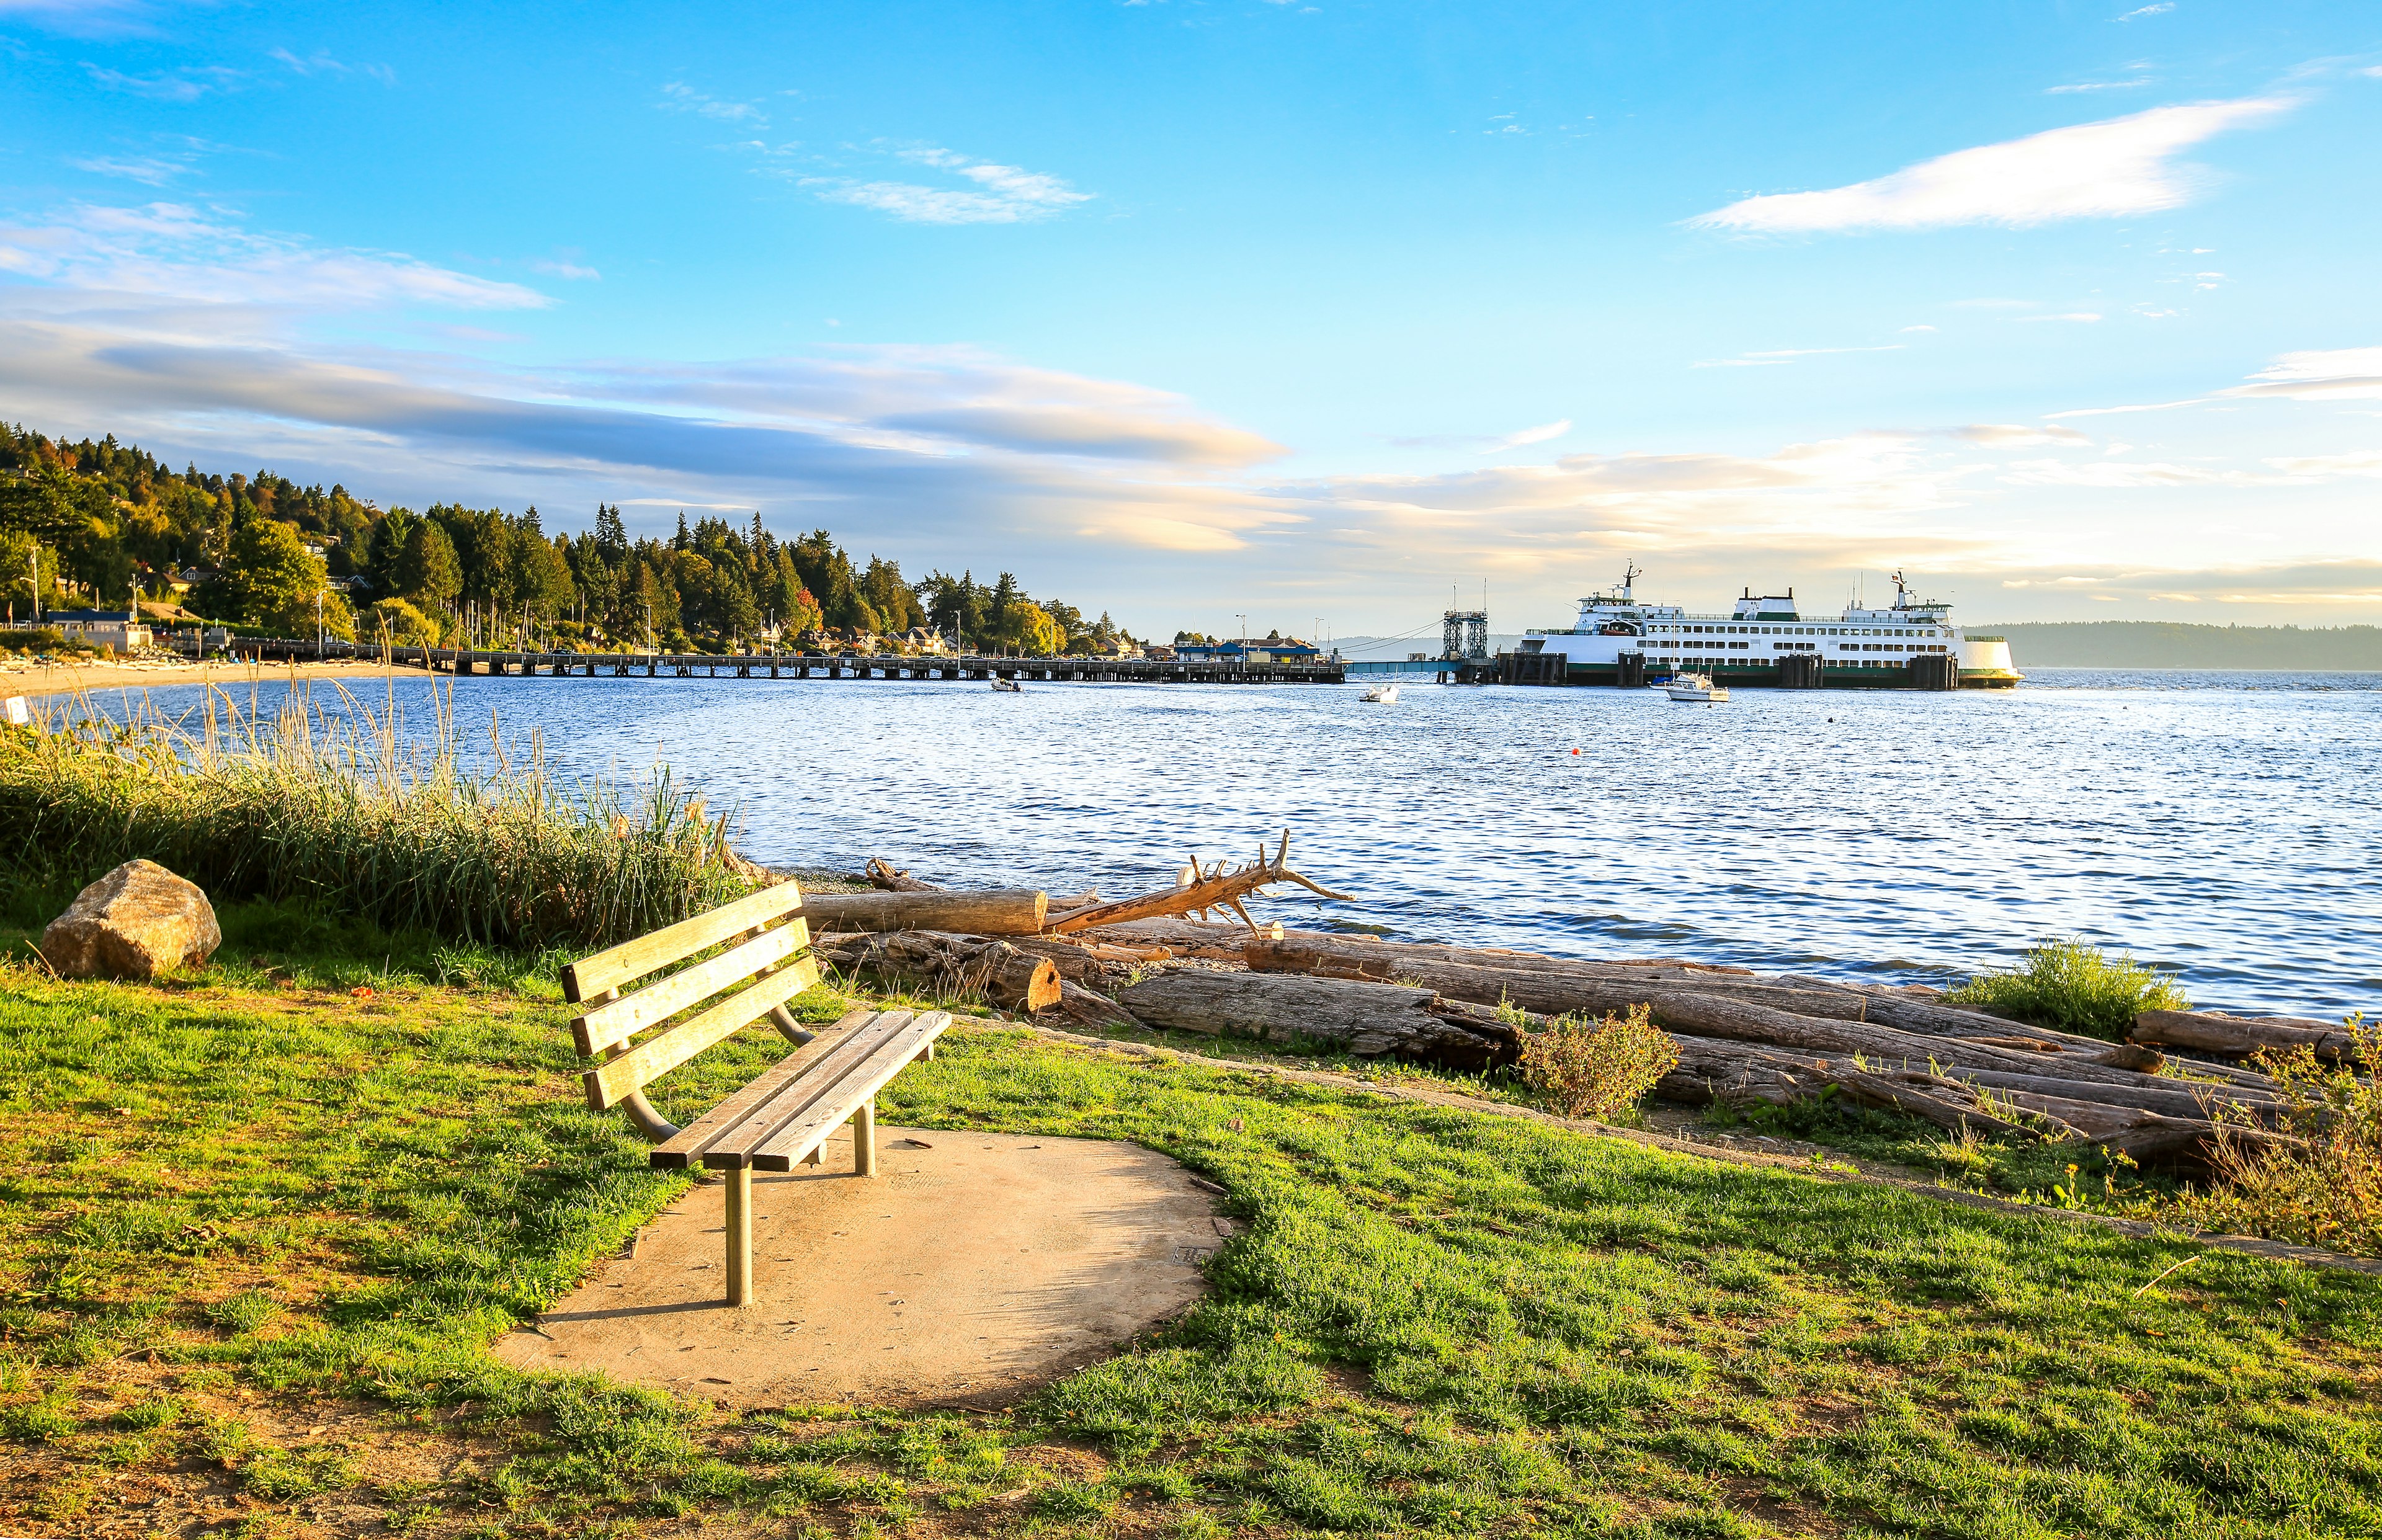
x=1463 y=635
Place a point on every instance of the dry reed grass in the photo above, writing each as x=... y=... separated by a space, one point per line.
x=346 y=808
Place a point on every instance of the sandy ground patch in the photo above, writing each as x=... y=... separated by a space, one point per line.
x=33 y=680
x=974 y=1267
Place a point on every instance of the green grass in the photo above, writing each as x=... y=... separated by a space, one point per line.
x=2066 y=983
x=240 y=1197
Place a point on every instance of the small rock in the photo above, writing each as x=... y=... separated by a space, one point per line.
x=135 y=923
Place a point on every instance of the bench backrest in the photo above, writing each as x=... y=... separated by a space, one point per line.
x=696 y=1007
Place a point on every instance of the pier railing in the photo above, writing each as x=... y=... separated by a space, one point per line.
x=788 y=665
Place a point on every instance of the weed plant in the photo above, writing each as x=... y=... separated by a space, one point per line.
x=344 y=813
x=2066 y=983
x=1586 y=1068
x=2323 y=1186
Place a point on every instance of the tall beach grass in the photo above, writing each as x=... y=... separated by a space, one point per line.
x=346 y=809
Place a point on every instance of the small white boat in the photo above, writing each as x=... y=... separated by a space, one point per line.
x=1007 y=687
x=1695 y=687
x=1386 y=694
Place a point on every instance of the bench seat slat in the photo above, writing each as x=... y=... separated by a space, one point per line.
x=688 y=1146
x=590 y=976
x=800 y=1137
x=608 y=1025
x=614 y=1078
x=735 y=1146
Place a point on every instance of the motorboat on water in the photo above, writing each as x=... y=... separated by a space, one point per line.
x=1694 y=687
x=1386 y=694
x=1007 y=687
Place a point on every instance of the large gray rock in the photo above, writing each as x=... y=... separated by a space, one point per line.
x=135 y=923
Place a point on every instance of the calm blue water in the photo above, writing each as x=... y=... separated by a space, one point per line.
x=2222 y=825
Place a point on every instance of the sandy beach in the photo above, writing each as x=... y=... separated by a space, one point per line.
x=34 y=681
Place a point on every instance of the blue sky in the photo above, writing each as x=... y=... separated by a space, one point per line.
x=1193 y=309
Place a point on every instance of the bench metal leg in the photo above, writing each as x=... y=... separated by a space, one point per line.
x=740 y=1234
x=863 y=1138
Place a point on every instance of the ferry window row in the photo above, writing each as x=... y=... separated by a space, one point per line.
x=1791 y=631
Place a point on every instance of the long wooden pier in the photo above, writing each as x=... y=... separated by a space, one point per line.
x=795 y=665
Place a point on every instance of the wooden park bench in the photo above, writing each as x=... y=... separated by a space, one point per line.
x=784 y=1115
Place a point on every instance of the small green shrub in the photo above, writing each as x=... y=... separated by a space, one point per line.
x=2066 y=983
x=1589 y=1069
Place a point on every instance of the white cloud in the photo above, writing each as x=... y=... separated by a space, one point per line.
x=2360 y=462
x=1788 y=355
x=172 y=252
x=156 y=170
x=2006 y=435
x=1001 y=194
x=186 y=84
x=1538 y=435
x=1918 y=328
x=2122 y=166
x=564 y=269
x=2330 y=374
x=2139 y=12
x=678 y=96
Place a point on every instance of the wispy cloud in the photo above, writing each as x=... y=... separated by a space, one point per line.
x=2139 y=12
x=172 y=252
x=678 y=96
x=155 y=170
x=2011 y=436
x=2122 y=166
x=1789 y=355
x=564 y=269
x=1542 y=433
x=186 y=84
x=2328 y=374
x=995 y=194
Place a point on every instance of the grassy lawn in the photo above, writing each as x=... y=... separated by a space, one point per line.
x=258 y=1227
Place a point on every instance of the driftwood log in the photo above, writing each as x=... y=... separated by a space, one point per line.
x=1011 y=979
x=1710 y=1071
x=1202 y=889
x=1364 y=1019
x=1551 y=991
x=2211 y=1032
x=1175 y=939
x=884 y=874
x=991 y=911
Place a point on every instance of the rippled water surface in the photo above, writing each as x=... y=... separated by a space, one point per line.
x=2224 y=825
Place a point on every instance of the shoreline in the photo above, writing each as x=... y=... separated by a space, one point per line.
x=39 y=682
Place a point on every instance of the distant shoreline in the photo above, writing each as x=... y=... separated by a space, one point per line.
x=2172 y=644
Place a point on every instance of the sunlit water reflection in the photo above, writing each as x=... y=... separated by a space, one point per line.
x=2224 y=825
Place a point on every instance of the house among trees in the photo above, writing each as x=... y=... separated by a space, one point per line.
x=122 y=630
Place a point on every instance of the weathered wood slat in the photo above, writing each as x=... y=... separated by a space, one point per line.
x=855 y=1089
x=617 y=965
x=816 y=1079
x=690 y=1143
x=615 y=1078
x=622 y=1020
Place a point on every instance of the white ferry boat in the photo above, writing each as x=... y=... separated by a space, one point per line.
x=1764 y=641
